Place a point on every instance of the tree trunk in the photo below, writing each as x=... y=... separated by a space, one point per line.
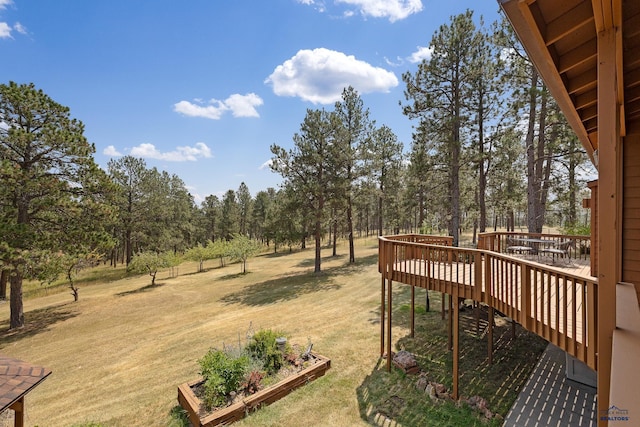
x=482 y=181
x=4 y=278
x=532 y=193
x=380 y=214
x=335 y=234
x=572 y=215
x=543 y=166
x=17 y=313
x=352 y=254
x=318 y=242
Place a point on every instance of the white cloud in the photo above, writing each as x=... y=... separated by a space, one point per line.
x=398 y=62
x=5 y=3
x=5 y=30
x=239 y=105
x=394 y=10
x=213 y=111
x=244 y=105
x=20 y=28
x=180 y=154
x=420 y=54
x=320 y=75
x=319 y=5
x=111 y=151
x=266 y=165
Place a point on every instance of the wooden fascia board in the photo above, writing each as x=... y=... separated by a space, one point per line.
x=518 y=13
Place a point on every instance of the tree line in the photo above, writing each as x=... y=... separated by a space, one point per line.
x=489 y=147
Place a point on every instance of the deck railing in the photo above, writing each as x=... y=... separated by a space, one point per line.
x=558 y=306
x=579 y=247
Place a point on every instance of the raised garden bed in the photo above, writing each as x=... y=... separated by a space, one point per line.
x=187 y=398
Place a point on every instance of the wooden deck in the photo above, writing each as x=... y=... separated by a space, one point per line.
x=558 y=302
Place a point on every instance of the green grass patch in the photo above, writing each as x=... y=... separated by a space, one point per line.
x=394 y=396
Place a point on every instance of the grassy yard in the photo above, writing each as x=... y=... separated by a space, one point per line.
x=119 y=353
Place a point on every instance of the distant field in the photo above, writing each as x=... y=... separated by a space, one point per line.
x=119 y=353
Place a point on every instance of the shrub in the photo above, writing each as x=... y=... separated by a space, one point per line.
x=263 y=347
x=222 y=374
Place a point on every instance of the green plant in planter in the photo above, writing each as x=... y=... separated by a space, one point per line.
x=263 y=346
x=222 y=375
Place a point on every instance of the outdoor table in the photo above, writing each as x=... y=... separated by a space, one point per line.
x=535 y=243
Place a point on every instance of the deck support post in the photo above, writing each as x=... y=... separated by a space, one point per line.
x=442 y=302
x=413 y=311
x=450 y=319
x=490 y=335
x=389 y=305
x=609 y=202
x=456 y=342
x=382 y=314
x=18 y=410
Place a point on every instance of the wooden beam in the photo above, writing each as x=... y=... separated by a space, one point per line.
x=382 y=314
x=456 y=343
x=578 y=56
x=583 y=82
x=609 y=200
x=490 y=335
x=390 y=305
x=521 y=17
x=589 y=113
x=18 y=409
x=580 y=15
x=450 y=320
x=586 y=99
x=413 y=311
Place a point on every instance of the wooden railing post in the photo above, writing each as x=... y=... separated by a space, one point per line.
x=592 y=321
x=477 y=276
x=525 y=296
x=382 y=314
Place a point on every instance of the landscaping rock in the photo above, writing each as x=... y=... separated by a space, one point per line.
x=422 y=383
x=431 y=391
x=406 y=361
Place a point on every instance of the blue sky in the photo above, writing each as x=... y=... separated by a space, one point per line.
x=202 y=88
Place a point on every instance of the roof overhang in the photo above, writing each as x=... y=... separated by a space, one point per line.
x=561 y=38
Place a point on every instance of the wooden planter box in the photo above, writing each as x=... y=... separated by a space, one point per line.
x=190 y=402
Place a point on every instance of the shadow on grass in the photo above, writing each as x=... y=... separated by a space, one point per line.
x=37 y=321
x=281 y=289
x=146 y=288
x=310 y=262
x=291 y=287
x=233 y=276
x=387 y=398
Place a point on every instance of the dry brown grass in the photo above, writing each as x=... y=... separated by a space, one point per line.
x=119 y=353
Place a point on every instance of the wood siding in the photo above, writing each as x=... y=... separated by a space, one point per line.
x=631 y=212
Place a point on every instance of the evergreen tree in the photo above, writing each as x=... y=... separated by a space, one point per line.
x=438 y=92
x=49 y=179
x=307 y=169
